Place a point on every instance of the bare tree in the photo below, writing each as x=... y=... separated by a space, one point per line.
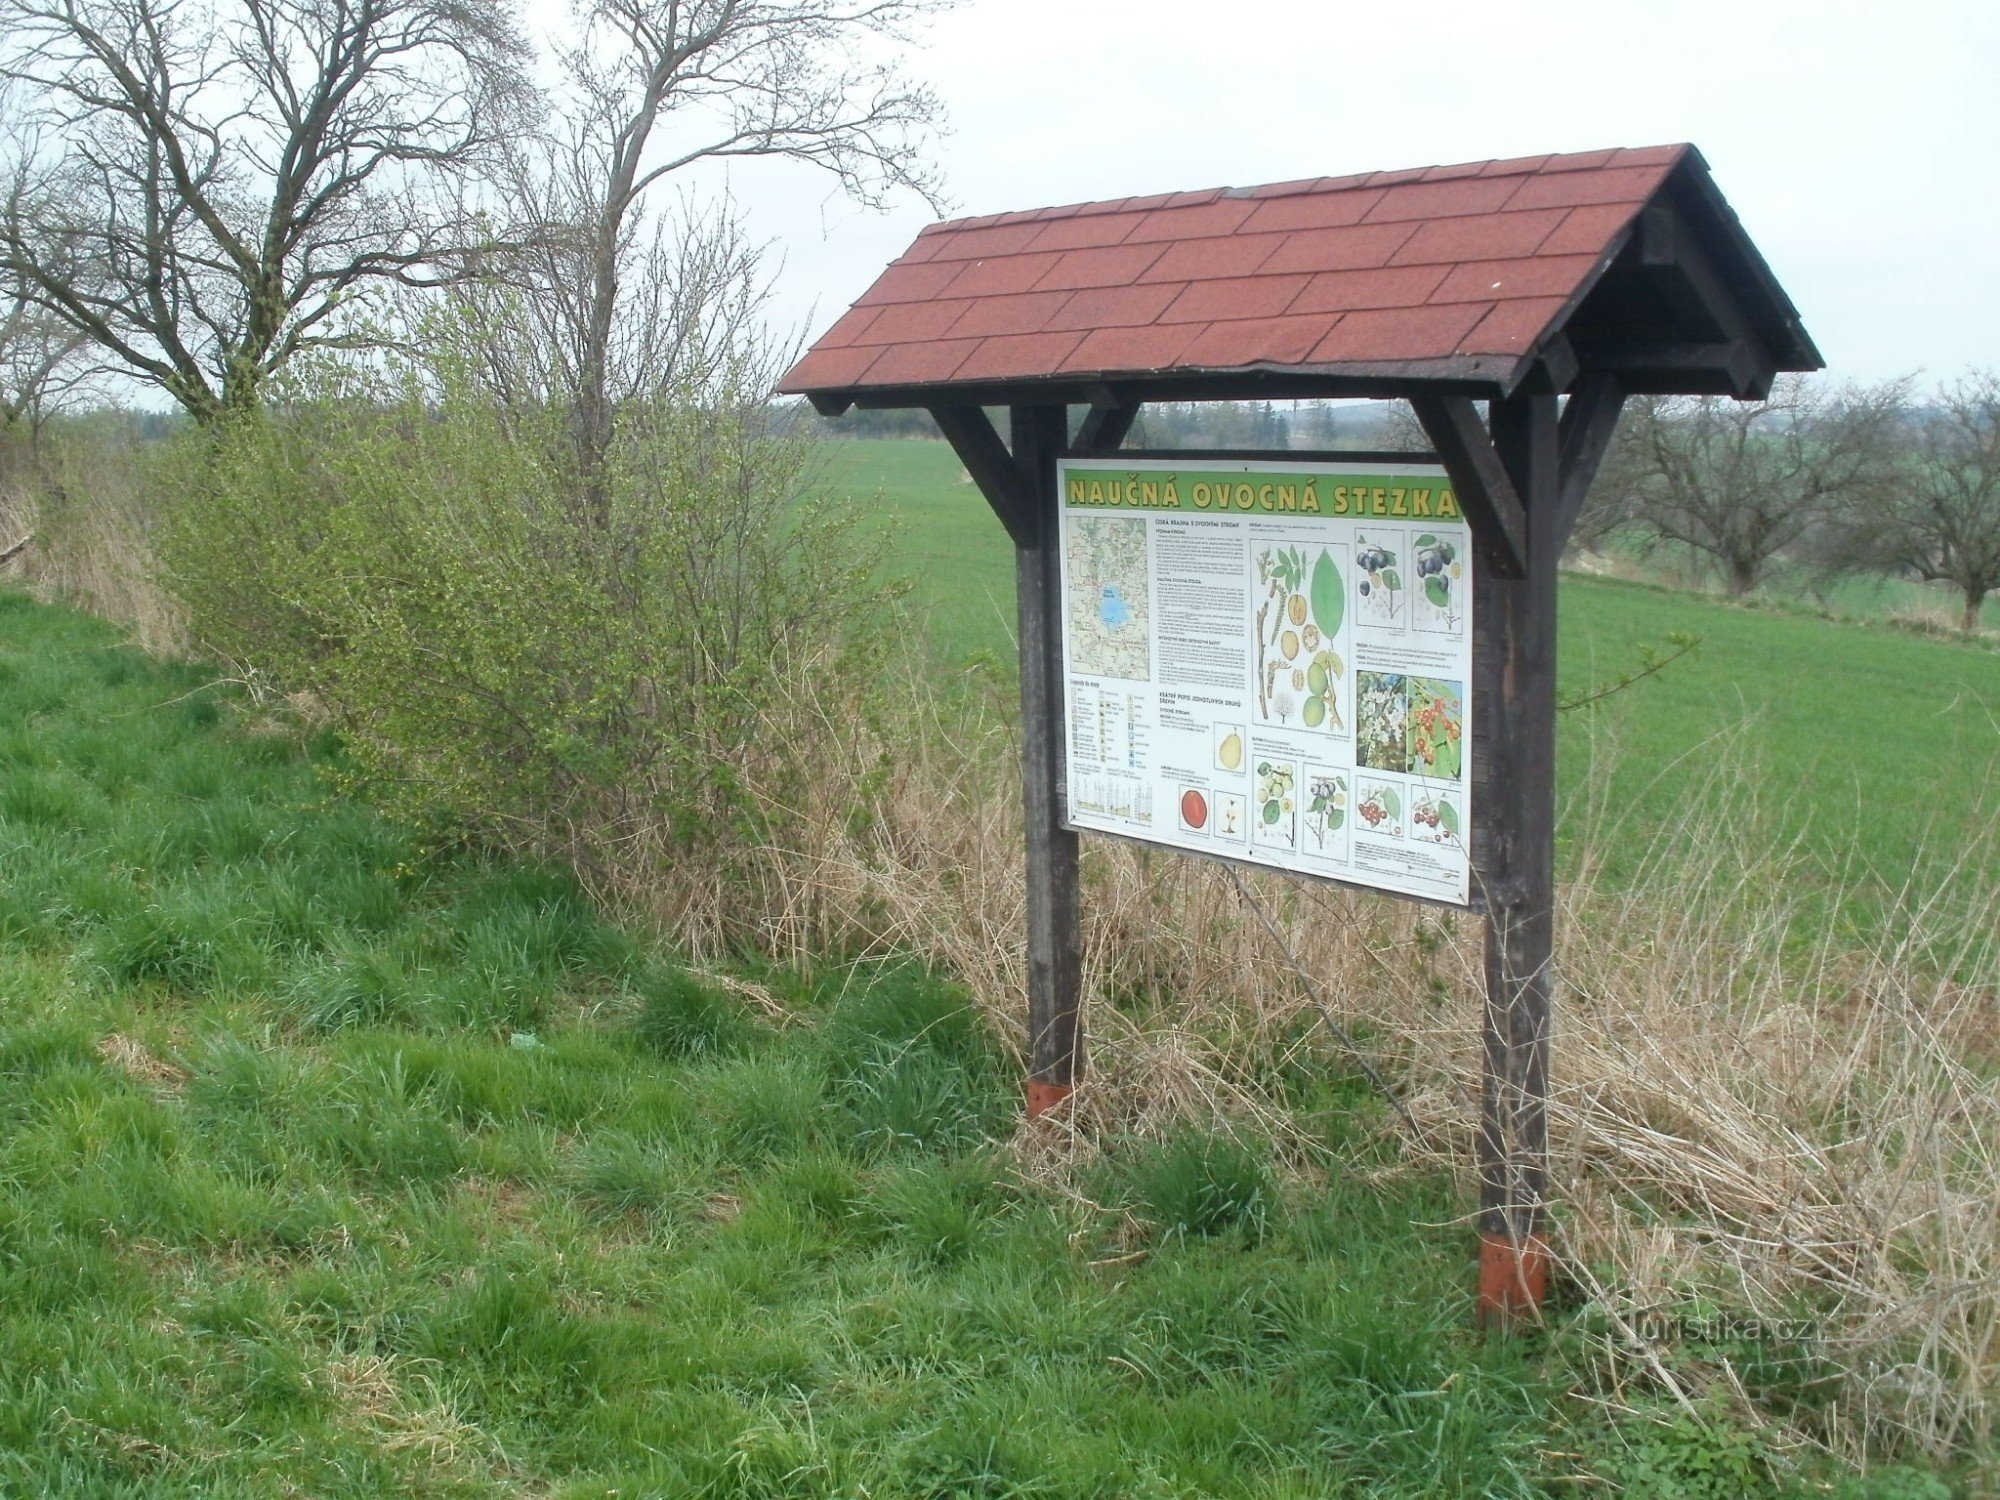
x=39 y=361
x=1941 y=518
x=39 y=364
x=618 y=303
x=204 y=193
x=1744 y=483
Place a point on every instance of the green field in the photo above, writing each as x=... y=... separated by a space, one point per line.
x=1881 y=746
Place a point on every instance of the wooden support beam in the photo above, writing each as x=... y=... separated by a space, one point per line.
x=1001 y=480
x=1477 y=377
x=1514 y=671
x=1665 y=245
x=1675 y=368
x=1589 y=421
x=1055 y=923
x=1555 y=368
x=1485 y=489
x=1105 y=427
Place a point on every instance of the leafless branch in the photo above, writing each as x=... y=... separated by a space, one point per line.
x=202 y=193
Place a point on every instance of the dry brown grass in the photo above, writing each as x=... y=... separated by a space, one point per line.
x=88 y=502
x=1747 y=1114
x=138 y=1062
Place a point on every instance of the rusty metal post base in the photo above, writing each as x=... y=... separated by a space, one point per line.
x=1513 y=1280
x=1043 y=1097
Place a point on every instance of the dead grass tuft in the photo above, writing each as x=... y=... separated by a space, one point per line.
x=132 y=1058
x=87 y=502
x=404 y=1408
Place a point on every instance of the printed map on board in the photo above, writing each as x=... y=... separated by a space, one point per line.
x=1110 y=614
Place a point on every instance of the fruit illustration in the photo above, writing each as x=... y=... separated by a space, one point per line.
x=1304 y=600
x=1440 y=817
x=1438 y=566
x=1326 y=812
x=1382 y=581
x=1274 y=790
x=1229 y=754
x=1380 y=805
x=1194 y=809
x=1436 y=728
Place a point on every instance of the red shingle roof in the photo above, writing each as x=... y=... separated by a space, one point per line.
x=1470 y=264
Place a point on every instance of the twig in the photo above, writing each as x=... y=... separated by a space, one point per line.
x=1320 y=1005
x=1650 y=663
x=1132 y=1259
x=14 y=550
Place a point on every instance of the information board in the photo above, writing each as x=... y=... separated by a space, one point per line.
x=1272 y=662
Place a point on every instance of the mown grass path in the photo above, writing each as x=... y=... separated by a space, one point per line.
x=330 y=1168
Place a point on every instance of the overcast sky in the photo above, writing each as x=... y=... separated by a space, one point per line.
x=1858 y=142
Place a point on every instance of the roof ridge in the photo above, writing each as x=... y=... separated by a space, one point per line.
x=1664 y=153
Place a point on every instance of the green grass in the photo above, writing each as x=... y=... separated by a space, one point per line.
x=1877 y=744
x=328 y=1166
x=946 y=542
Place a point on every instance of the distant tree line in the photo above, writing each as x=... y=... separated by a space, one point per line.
x=1837 y=478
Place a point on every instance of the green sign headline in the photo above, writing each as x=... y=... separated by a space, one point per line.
x=1332 y=494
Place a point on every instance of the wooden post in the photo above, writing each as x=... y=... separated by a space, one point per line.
x=1514 y=667
x=1055 y=925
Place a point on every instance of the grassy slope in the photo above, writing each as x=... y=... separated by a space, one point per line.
x=329 y=1168
x=1884 y=742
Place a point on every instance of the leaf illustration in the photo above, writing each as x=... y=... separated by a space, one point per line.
x=1329 y=595
x=1391 y=579
x=1448 y=816
x=1437 y=591
x=1273 y=811
x=1336 y=818
x=1427 y=540
x=1391 y=804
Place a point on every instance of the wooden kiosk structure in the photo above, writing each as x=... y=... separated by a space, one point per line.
x=1548 y=288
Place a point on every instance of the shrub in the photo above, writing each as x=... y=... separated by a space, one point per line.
x=571 y=664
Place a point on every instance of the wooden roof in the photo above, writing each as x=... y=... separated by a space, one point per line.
x=1472 y=278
